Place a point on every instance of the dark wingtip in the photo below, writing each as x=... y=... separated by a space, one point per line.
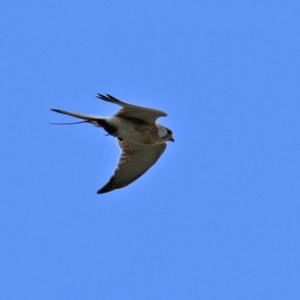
x=103 y=97
x=102 y=191
x=100 y=96
x=108 y=187
x=107 y=97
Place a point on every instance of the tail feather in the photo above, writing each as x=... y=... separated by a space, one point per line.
x=78 y=115
x=95 y=120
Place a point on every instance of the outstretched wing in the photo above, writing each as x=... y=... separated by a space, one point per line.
x=133 y=111
x=134 y=161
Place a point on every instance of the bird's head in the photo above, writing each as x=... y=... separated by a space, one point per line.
x=165 y=133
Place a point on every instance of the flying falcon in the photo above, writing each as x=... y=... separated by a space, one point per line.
x=141 y=139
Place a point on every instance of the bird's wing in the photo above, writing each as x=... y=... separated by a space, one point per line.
x=134 y=161
x=146 y=114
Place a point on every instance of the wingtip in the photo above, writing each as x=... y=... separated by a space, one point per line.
x=108 y=98
x=111 y=97
x=100 y=96
x=108 y=187
x=103 y=191
x=99 y=192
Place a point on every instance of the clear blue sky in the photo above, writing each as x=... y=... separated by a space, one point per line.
x=217 y=217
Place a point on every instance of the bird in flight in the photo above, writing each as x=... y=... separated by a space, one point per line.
x=141 y=139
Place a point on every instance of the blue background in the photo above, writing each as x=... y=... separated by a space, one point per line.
x=217 y=217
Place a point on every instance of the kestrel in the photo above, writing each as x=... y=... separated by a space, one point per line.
x=141 y=139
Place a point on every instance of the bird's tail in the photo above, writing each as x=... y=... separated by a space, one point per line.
x=95 y=120
x=88 y=118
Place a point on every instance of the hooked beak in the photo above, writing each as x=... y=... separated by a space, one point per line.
x=171 y=139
